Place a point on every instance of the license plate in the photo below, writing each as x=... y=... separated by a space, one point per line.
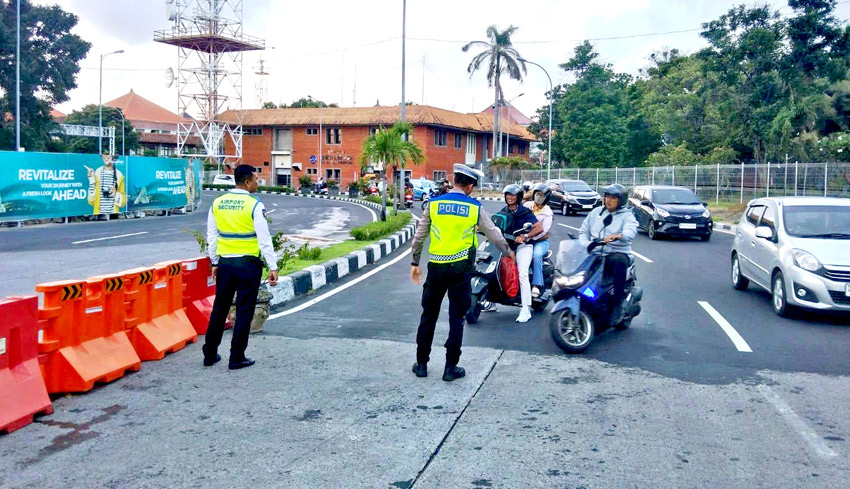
x=587 y=207
x=847 y=290
x=685 y=225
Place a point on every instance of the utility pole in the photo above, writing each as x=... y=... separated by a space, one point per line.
x=423 y=81
x=18 y=82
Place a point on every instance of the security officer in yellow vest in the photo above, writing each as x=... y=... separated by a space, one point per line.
x=237 y=234
x=451 y=220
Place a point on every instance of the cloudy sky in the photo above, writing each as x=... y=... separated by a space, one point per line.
x=349 y=51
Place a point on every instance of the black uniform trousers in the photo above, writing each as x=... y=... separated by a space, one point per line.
x=616 y=267
x=240 y=276
x=452 y=278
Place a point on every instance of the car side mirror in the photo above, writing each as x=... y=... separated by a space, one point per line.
x=646 y=203
x=705 y=204
x=764 y=232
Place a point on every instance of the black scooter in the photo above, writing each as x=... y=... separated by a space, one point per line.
x=584 y=297
x=485 y=280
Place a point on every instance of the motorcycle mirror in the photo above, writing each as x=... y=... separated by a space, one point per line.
x=527 y=226
x=608 y=220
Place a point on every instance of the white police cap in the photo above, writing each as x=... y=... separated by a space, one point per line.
x=461 y=169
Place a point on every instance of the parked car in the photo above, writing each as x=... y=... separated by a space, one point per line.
x=572 y=196
x=673 y=211
x=224 y=179
x=796 y=248
x=421 y=187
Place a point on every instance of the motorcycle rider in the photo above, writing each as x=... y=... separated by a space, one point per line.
x=445 y=186
x=616 y=227
x=515 y=216
x=526 y=191
x=539 y=206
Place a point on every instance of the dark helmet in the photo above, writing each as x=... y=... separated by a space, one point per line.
x=544 y=189
x=616 y=190
x=515 y=190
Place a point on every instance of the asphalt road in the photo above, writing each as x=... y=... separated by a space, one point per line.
x=50 y=252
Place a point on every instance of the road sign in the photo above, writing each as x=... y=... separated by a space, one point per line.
x=312 y=159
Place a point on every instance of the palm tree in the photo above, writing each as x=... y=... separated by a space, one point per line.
x=501 y=56
x=392 y=147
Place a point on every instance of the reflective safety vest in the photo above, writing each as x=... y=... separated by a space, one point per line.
x=453 y=220
x=234 y=217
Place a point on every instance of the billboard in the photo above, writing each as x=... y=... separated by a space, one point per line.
x=55 y=185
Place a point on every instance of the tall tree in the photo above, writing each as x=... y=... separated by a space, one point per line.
x=390 y=147
x=50 y=57
x=500 y=56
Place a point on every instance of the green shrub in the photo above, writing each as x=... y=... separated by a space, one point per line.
x=376 y=230
x=375 y=199
x=275 y=189
x=307 y=253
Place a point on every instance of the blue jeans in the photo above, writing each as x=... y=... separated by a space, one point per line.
x=540 y=249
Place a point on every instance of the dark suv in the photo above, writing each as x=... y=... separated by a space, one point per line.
x=571 y=196
x=675 y=211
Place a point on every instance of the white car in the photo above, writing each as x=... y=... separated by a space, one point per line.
x=224 y=179
x=798 y=249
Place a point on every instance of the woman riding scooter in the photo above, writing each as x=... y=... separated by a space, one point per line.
x=515 y=217
x=619 y=232
x=539 y=206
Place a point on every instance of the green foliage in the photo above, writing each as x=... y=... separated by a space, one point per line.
x=673 y=155
x=283 y=189
x=375 y=199
x=88 y=116
x=302 y=103
x=376 y=230
x=50 y=57
x=305 y=180
x=305 y=252
x=393 y=147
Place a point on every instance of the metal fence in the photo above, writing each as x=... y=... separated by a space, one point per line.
x=727 y=183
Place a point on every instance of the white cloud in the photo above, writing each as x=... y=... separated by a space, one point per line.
x=313 y=47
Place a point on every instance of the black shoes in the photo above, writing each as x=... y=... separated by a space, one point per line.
x=453 y=373
x=420 y=369
x=246 y=362
x=209 y=362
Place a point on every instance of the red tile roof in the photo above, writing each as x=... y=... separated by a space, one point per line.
x=58 y=116
x=158 y=138
x=138 y=108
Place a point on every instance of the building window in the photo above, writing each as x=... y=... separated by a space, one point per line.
x=259 y=169
x=470 y=144
x=511 y=148
x=458 y=140
x=440 y=137
x=333 y=136
x=253 y=131
x=521 y=149
x=265 y=163
x=333 y=174
x=312 y=131
x=373 y=130
x=439 y=175
x=312 y=171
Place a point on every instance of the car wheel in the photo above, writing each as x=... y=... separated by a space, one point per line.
x=738 y=280
x=650 y=230
x=777 y=295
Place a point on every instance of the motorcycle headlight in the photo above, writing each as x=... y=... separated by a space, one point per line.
x=569 y=281
x=662 y=213
x=806 y=260
x=490 y=267
x=706 y=214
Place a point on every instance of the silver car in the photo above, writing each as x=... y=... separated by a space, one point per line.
x=798 y=249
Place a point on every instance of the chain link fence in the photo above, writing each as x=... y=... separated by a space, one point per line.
x=728 y=183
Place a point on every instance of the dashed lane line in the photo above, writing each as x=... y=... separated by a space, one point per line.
x=733 y=335
x=633 y=251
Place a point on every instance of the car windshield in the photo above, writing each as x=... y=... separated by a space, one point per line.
x=674 y=196
x=817 y=221
x=574 y=187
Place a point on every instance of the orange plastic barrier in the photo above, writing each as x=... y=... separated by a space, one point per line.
x=198 y=292
x=155 y=320
x=84 y=339
x=21 y=383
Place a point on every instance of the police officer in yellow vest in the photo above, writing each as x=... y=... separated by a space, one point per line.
x=451 y=220
x=237 y=235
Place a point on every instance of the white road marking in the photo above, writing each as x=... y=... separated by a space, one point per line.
x=809 y=435
x=374 y=216
x=633 y=251
x=733 y=335
x=110 y=237
x=270 y=211
x=340 y=289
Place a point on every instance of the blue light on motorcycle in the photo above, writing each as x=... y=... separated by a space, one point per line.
x=589 y=293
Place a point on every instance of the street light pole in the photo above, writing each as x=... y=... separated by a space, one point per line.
x=123 y=122
x=100 y=103
x=548 y=134
x=508 y=132
x=18 y=82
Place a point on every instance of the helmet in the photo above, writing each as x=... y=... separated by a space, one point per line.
x=513 y=189
x=526 y=186
x=465 y=175
x=616 y=190
x=544 y=189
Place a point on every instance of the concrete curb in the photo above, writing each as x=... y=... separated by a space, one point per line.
x=722 y=226
x=310 y=196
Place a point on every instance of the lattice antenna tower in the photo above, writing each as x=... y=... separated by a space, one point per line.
x=260 y=87
x=210 y=42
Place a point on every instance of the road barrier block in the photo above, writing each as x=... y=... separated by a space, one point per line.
x=83 y=340
x=155 y=321
x=23 y=393
x=198 y=292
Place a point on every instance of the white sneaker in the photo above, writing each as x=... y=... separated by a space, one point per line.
x=490 y=307
x=524 y=315
x=535 y=292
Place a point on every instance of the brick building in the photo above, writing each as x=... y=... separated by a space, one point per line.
x=283 y=144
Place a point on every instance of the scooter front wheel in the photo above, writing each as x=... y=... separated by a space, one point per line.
x=572 y=333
